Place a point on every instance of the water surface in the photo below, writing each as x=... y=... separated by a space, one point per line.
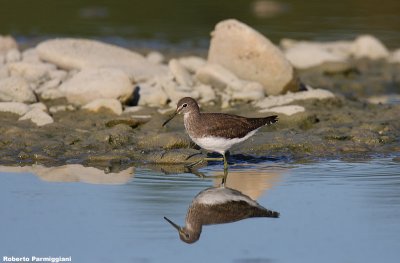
x=187 y=24
x=330 y=212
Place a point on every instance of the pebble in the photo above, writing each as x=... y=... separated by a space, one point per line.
x=84 y=53
x=51 y=94
x=37 y=116
x=251 y=56
x=16 y=89
x=14 y=107
x=113 y=105
x=91 y=84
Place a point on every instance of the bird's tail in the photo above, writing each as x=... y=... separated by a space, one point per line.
x=265 y=213
x=271 y=119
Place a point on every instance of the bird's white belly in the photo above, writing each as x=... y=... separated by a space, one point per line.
x=218 y=144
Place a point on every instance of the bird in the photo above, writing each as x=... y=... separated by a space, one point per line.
x=217 y=132
x=218 y=205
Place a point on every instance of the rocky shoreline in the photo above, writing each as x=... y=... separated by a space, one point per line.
x=79 y=101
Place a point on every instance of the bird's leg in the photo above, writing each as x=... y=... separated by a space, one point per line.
x=225 y=171
x=203 y=160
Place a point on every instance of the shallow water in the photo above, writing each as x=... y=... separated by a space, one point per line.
x=330 y=212
x=188 y=24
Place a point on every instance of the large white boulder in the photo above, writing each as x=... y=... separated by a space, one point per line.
x=251 y=56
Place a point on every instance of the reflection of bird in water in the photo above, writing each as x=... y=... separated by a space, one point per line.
x=218 y=205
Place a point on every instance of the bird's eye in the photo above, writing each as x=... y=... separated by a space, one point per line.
x=184 y=105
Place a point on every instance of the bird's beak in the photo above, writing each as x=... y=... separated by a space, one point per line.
x=173 y=224
x=170 y=118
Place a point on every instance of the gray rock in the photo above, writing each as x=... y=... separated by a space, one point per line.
x=84 y=54
x=14 y=107
x=111 y=104
x=16 y=89
x=91 y=84
x=7 y=43
x=251 y=56
x=38 y=117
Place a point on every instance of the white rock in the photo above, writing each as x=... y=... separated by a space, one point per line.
x=2 y=60
x=251 y=91
x=7 y=43
x=38 y=105
x=151 y=94
x=14 y=107
x=30 y=55
x=221 y=78
x=51 y=84
x=58 y=74
x=16 y=89
x=13 y=55
x=58 y=108
x=273 y=101
x=369 y=47
x=38 y=117
x=155 y=57
x=305 y=56
x=3 y=72
x=32 y=72
x=217 y=76
x=207 y=94
x=113 y=105
x=102 y=83
x=52 y=94
x=132 y=109
x=251 y=56
x=180 y=73
x=84 y=54
x=192 y=63
x=287 y=110
x=395 y=56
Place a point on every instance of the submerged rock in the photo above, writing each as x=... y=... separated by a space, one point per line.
x=251 y=56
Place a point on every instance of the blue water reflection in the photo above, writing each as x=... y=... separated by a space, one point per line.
x=330 y=212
